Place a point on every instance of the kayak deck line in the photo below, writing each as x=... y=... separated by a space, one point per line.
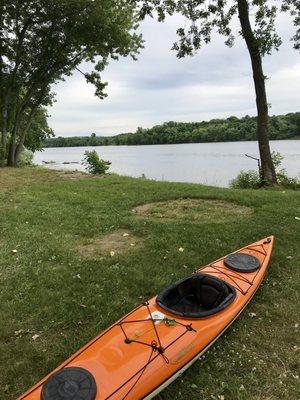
x=144 y=351
x=235 y=276
x=153 y=346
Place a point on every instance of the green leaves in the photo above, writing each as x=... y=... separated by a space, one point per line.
x=170 y=322
x=95 y=78
x=39 y=131
x=93 y=163
x=293 y=8
x=216 y=15
x=42 y=42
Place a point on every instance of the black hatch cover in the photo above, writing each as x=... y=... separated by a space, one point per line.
x=73 y=383
x=242 y=262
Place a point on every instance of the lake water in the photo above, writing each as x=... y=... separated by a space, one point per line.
x=209 y=163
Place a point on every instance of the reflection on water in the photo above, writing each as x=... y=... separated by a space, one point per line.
x=208 y=163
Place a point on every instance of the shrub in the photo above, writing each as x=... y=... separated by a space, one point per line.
x=252 y=180
x=282 y=178
x=246 y=180
x=93 y=163
x=286 y=181
x=277 y=159
x=25 y=158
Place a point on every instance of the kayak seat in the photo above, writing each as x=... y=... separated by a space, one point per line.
x=196 y=296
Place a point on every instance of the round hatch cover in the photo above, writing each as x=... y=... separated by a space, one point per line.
x=71 y=383
x=242 y=262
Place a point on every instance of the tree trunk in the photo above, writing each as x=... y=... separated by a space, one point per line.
x=24 y=133
x=3 y=144
x=268 y=173
x=11 y=155
x=11 y=158
x=11 y=161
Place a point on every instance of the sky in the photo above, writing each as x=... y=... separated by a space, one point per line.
x=215 y=83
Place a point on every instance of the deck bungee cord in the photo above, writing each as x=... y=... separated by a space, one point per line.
x=155 y=346
x=235 y=276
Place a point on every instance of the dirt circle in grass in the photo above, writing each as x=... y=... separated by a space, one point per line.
x=192 y=210
x=112 y=243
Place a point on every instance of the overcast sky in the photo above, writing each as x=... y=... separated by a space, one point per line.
x=215 y=83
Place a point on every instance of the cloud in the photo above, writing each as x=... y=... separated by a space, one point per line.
x=217 y=82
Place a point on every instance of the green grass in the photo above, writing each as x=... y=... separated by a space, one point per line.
x=44 y=215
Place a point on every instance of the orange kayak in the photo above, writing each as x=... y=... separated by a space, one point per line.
x=147 y=349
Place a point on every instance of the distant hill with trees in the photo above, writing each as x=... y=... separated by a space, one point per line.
x=216 y=130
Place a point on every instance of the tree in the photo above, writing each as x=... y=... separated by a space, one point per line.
x=257 y=30
x=38 y=131
x=93 y=140
x=43 y=41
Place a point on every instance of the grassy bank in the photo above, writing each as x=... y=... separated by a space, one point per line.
x=67 y=272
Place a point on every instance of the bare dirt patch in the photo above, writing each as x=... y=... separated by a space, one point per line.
x=111 y=244
x=192 y=210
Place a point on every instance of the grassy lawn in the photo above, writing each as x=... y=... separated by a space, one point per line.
x=55 y=296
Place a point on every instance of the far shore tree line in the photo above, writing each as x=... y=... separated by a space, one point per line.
x=216 y=130
x=42 y=42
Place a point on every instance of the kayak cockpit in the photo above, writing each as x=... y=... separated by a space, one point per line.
x=196 y=296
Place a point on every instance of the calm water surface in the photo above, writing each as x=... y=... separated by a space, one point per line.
x=209 y=163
